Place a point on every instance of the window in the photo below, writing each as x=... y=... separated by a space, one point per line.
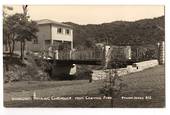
x=59 y=30
x=67 y=31
x=35 y=41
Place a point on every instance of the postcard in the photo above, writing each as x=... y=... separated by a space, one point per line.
x=84 y=56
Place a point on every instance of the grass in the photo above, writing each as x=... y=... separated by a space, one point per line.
x=150 y=82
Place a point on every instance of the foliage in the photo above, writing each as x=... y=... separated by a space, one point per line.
x=18 y=27
x=147 y=31
x=26 y=30
x=113 y=85
x=8 y=33
x=29 y=71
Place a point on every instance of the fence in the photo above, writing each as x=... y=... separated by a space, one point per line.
x=144 y=53
x=88 y=54
x=118 y=53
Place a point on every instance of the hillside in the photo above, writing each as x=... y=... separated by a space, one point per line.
x=145 y=31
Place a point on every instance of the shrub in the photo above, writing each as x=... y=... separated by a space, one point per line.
x=113 y=85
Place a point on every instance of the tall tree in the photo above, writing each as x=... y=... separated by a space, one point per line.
x=6 y=32
x=11 y=30
x=18 y=27
x=26 y=31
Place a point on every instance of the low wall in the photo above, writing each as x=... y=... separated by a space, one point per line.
x=136 y=67
x=98 y=75
x=145 y=64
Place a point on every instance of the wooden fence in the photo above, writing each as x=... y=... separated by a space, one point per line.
x=89 y=54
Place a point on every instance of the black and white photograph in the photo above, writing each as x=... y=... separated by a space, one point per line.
x=84 y=56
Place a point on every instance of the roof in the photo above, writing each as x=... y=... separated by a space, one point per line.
x=47 y=21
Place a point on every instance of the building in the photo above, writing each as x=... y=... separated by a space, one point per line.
x=59 y=36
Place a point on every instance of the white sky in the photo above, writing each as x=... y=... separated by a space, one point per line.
x=93 y=14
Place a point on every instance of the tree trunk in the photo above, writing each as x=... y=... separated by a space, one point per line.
x=13 y=45
x=21 y=50
x=6 y=45
x=9 y=45
x=23 y=46
x=12 y=48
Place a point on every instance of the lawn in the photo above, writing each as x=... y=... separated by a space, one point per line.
x=150 y=83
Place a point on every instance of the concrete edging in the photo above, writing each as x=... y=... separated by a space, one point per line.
x=136 y=67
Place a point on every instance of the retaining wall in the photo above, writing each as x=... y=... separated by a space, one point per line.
x=136 y=67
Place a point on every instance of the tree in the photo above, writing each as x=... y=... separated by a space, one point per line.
x=18 y=27
x=7 y=40
x=9 y=31
x=26 y=31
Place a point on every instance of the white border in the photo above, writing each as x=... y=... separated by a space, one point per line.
x=97 y=111
x=84 y=2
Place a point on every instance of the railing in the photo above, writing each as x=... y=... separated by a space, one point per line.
x=144 y=53
x=87 y=55
x=118 y=53
x=90 y=54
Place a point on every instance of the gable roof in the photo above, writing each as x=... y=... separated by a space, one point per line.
x=47 y=21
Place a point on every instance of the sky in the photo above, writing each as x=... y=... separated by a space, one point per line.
x=92 y=14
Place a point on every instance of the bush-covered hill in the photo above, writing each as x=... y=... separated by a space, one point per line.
x=146 y=31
